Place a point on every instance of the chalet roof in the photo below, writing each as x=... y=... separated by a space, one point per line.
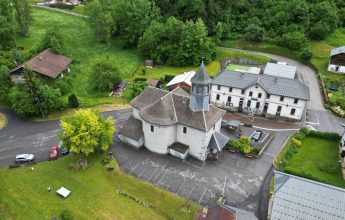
x=224 y=212
x=46 y=63
x=299 y=198
x=271 y=84
x=337 y=51
x=184 y=77
x=164 y=108
x=280 y=70
x=201 y=77
x=132 y=128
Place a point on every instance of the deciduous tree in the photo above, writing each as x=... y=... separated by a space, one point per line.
x=104 y=76
x=23 y=15
x=86 y=132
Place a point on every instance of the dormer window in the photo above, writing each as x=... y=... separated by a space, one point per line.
x=152 y=128
x=219 y=87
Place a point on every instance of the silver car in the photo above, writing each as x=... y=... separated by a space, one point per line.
x=24 y=158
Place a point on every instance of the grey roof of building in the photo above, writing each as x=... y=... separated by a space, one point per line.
x=218 y=141
x=201 y=77
x=280 y=70
x=233 y=123
x=241 y=214
x=338 y=50
x=132 y=128
x=173 y=108
x=299 y=198
x=272 y=85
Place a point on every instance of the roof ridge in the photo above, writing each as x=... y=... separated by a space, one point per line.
x=203 y=114
x=173 y=104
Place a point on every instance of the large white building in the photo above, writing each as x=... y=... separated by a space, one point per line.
x=260 y=94
x=175 y=122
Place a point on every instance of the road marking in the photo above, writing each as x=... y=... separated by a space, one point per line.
x=224 y=186
x=264 y=138
x=271 y=129
x=202 y=196
x=133 y=169
x=193 y=164
x=184 y=180
x=191 y=191
x=141 y=173
x=313 y=123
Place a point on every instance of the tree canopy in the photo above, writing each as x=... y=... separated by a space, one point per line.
x=86 y=132
x=104 y=76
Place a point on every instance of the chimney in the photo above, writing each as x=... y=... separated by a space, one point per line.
x=242 y=75
x=204 y=212
x=40 y=58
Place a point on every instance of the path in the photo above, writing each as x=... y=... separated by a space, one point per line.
x=60 y=10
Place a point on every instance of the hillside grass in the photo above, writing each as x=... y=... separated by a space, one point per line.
x=93 y=195
x=82 y=47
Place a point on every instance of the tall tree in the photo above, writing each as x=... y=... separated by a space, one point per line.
x=86 y=132
x=7 y=26
x=104 y=76
x=23 y=15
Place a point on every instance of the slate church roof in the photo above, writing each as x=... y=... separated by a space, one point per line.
x=272 y=85
x=201 y=77
x=164 y=108
x=132 y=128
x=299 y=198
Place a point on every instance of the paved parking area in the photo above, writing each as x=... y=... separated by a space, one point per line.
x=238 y=178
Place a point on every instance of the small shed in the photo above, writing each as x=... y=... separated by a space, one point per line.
x=149 y=64
x=337 y=60
x=119 y=88
x=63 y=192
x=232 y=124
x=154 y=83
x=183 y=80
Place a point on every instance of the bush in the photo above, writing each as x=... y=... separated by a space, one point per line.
x=139 y=79
x=104 y=76
x=240 y=145
x=256 y=151
x=306 y=54
x=254 y=33
x=66 y=215
x=293 y=40
x=327 y=135
x=329 y=167
x=304 y=132
x=62 y=6
x=296 y=142
x=244 y=140
x=52 y=39
x=319 y=31
x=298 y=136
x=73 y=101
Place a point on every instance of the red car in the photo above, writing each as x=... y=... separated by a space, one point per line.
x=54 y=152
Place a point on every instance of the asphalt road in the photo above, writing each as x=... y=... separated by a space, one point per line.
x=24 y=136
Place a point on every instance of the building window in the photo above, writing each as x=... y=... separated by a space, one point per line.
x=257 y=105
x=256 y=87
x=295 y=101
x=219 y=87
x=229 y=98
x=230 y=89
x=217 y=97
x=281 y=98
x=152 y=128
x=268 y=96
x=248 y=103
x=184 y=130
x=242 y=91
x=293 y=111
x=250 y=93
x=260 y=95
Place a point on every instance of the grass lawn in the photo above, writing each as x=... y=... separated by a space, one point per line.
x=237 y=67
x=82 y=47
x=24 y=194
x=315 y=156
x=3 y=121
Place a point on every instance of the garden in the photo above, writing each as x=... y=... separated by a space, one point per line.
x=96 y=193
x=313 y=155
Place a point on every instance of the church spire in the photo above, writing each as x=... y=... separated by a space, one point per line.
x=201 y=86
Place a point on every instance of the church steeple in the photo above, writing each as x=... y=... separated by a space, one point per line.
x=201 y=86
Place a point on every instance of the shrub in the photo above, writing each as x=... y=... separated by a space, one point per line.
x=328 y=135
x=254 y=33
x=240 y=145
x=62 y=6
x=256 y=151
x=246 y=149
x=296 y=142
x=244 y=139
x=140 y=79
x=306 y=54
x=52 y=39
x=319 y=31
x=304 y=132
x=330 y=167
x=104 y=76
x=298 y=136
x=66 y=215
x=293 y=40
x=73 y=101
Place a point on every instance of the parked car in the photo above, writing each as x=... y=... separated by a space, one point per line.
x=257 y=135
x=54 y=152
x=24 y=158
x=64 y=150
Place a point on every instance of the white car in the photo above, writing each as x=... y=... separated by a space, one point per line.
x=24 y=158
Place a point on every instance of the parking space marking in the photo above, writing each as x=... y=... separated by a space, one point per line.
x=191 y=191
x=224 y=186
x=313 y=123
x=194 y=165
x=264 y=138
x=134 y=168
x=141 y=173
x=184 y=180
x=202 y=196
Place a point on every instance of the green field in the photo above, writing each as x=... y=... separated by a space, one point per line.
x=316 y=157
x=237 y=67
x=24 y=194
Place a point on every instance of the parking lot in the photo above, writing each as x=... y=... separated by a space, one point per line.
x=238 y=178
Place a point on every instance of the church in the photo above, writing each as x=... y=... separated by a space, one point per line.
x=175 y=122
